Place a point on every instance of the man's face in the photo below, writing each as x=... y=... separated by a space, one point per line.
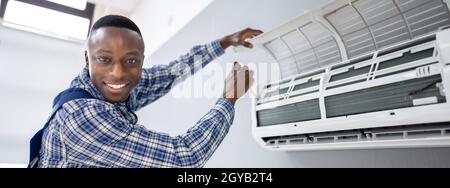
x=115 y=58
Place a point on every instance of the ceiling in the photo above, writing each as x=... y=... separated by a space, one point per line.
x=127 y=6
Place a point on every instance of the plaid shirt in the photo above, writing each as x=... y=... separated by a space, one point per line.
x=96 y=133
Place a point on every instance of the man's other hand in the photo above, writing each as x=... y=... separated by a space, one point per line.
x=238 y=82
x=240 y=38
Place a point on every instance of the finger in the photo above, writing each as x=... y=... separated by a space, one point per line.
x=244 y=71
x=249 y=35
x=254 y=32
x=252 y=81
x=247 y=75
x=248 y=45
x=237 y=66
x=235 y=71
x=252 y=73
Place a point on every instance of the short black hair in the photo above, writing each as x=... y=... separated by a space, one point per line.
x=116 y=21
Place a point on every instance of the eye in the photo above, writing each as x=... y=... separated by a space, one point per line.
x=103 y=59
x=131 y=61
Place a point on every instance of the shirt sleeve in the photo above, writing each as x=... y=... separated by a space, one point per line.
x=159 y=80
x=106 y=139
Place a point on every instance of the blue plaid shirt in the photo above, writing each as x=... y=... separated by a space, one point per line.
x=96 y=133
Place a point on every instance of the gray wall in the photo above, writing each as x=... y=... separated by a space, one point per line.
x=174 y=115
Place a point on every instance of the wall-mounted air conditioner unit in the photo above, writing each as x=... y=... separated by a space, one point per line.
x=357 y=75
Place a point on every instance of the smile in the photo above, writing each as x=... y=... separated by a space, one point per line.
x=117 y=88
x=114 y=86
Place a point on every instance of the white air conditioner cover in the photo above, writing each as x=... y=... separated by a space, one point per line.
x=364 y=74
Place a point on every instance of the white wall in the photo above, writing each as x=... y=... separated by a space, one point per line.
x=175 y=116
x=161 y=19
x=33 y=69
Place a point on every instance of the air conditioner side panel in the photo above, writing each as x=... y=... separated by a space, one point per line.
x=446 y=81
x=443 y=43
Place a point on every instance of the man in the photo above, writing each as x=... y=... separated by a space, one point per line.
x=102 y=132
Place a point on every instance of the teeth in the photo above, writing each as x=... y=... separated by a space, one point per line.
x=117 y=86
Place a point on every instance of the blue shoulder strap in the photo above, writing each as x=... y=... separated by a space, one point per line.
x=62 y=98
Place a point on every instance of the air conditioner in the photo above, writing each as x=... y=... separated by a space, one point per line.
x=359 y=74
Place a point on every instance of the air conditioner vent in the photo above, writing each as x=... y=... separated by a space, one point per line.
x=303 y=111
x=420 y=131
x=388 y=97
x=407 y=57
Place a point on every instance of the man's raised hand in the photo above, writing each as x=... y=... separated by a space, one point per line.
x=238 y=82
x=240 y=38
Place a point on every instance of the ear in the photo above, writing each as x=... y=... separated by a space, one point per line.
x=86 y=58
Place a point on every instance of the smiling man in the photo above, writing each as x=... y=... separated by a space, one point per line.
x=101 y=130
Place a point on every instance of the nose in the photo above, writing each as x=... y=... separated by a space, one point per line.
x=117 y=71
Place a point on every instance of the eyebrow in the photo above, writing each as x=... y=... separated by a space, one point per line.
x=135 y=51
x=103 y=50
